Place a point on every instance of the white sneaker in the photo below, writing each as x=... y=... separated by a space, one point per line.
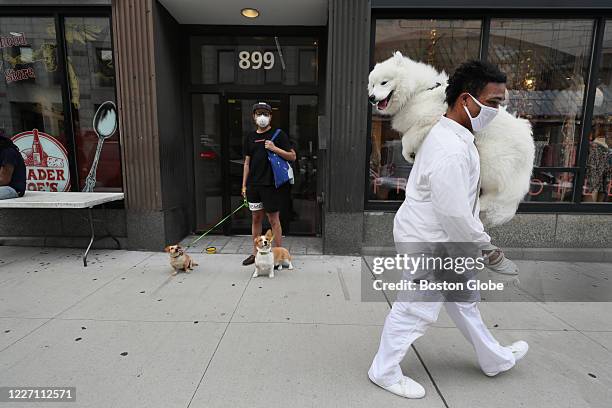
x=519 y=349
x=406 y=387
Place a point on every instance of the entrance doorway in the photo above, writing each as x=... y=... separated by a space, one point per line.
x=220 y=125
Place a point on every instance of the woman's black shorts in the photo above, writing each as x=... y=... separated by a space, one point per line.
x=268 y=198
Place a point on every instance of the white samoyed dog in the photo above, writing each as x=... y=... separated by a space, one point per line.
x=413 y=93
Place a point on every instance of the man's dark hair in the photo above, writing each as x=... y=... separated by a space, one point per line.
x=472 y=76
x=6 y=143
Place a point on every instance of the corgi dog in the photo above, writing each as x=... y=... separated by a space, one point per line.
x=268 y=257
x=179 y=260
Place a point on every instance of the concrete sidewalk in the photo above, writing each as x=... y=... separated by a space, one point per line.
x=127 y=334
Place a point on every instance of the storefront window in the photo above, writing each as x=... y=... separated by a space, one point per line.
x=91 y=77
x=254 y=60
x=442 y=43
x=32 y=100
x=31 y=105
x=547 y=64
x=598 y=180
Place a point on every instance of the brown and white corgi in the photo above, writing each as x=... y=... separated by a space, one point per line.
x=179 y=260
x=268 y=257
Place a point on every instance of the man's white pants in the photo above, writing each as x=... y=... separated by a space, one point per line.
x=407 y=321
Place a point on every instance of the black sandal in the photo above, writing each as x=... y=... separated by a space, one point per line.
x=249 y=261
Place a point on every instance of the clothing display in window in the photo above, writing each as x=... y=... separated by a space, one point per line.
x=597 y=168
x=608 y=180
x=539 y=150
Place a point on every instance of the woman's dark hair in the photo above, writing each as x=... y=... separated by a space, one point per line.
x=472 y=76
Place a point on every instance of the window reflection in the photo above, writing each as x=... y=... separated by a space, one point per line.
x=303 y=133
x=598 y=182
x=207 y=160
x=31 y=109
x=308 y=66
x=547 y=64
x=91 y=75
x=442 y=43
x=550 y=186
x=226 y=67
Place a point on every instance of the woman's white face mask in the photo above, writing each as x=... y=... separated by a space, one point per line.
x=486 y=115
x=262 y=121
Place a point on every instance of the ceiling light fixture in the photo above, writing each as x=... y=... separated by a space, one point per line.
x=250 y=12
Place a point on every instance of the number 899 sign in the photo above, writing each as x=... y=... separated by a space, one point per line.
x=255 y=60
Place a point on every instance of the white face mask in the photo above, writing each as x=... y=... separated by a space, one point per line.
x=486 y=115
x=262 y=121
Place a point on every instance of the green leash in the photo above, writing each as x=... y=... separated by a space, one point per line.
x=244 y=204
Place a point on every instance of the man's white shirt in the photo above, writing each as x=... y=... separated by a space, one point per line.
x=441 y=190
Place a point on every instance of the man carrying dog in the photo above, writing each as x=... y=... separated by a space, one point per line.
x=257 y=176
x=440 y=209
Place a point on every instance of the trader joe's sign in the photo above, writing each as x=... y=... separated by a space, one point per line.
x=46 y=161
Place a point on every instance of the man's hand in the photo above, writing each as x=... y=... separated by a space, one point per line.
x=243 y=192
x=493 y=255
x=496 y=261
x=6 y=174
x=290 y=155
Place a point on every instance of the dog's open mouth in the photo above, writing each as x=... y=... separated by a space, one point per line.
x=382 y=105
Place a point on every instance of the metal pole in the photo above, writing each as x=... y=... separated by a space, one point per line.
x=91 y=227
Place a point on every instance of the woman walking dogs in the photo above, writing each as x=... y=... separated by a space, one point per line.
x=258 y=178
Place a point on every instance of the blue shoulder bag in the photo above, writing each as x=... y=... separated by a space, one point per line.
x=281 y=168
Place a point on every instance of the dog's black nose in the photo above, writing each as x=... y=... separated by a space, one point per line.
x=372 y=99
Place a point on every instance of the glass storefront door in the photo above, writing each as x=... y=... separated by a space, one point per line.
x=220 y=125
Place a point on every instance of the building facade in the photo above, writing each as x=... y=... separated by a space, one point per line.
x=185 y=75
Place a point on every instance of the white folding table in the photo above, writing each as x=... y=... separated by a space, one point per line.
x=62 y=200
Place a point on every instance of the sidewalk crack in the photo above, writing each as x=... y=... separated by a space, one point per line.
x=219 y=342
x=413 y=347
